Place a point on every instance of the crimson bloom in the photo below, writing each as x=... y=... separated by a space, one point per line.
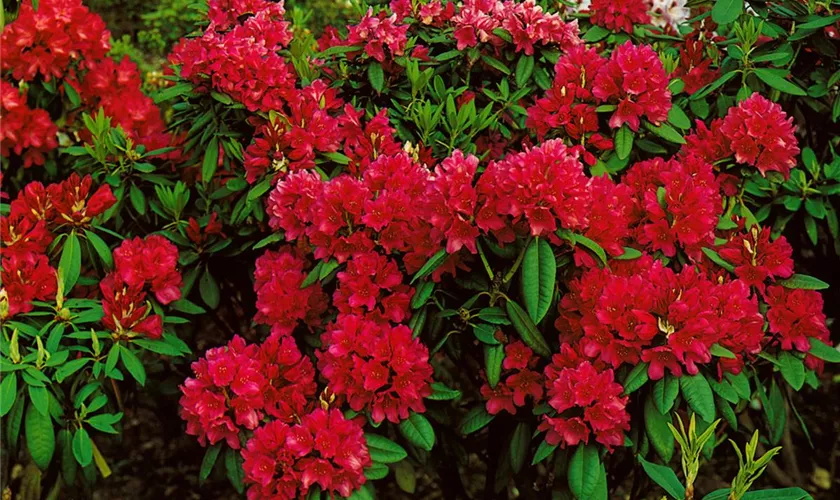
x=75 y=204
x=150 y=261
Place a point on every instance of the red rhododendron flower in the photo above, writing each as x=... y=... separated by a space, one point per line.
x=281 y=303
x=667 y=319
x=126 y=312
x=538 y=188
x=151 y=261
x=590 y=391
x=238 y=56
x=116 y=89
x=694 y=68
x=237 y=385
x=635 y=80
x=619 y=15
x=526 y=22
x=756 y=258
x=25 y=277
x=517 y=382
x=76 y=204
x=21 y=235
x=27 y=132
x=377 y=33
x=707 y=143
x=450 y=201
x=678 y=201
x=376 y=367
x=796 y=315
x=45 y=41
x=762 y=135
x=373 y=284
x=282 y=462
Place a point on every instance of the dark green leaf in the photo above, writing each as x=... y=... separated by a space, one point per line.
x=474 y=420
x=233 y=468
x=804 y=282
x=665 y=392
x=825 y=352
x=584 y=471
x=70 y=264
x=519 y=444
x=209 y=289
x=698 y=394
x=376 y=77
x=776 y=79
x=544 y=450
x=383 y=450
x=624 y=142
x=82 y=447
x=664 y=477
x=418 y=431
x=133 y=365
x=211 y=160
x=526 y=329
x=493 y=357
x=208 y=462
x=793 y=369
x=656 y=425
x=637 y=378
x=539 y=269
x=40 y=437
x=433 y=263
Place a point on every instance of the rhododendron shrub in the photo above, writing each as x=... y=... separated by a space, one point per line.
x=501 y=230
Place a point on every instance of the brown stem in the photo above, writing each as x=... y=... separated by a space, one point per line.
x=117 y=394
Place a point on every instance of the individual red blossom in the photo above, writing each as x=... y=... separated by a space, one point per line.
x=694 y=69
x=450 y=201
x=151 y=261
x=47 y=40
x=538 y=188
x=619 y=15
x=283 y=462
x=707 y=143
x=377 y=367
x=595 y=393
x=33 y=203
x=377 y=33
x=237 y=385
x=519 y=381
x=125 y=310
x=199 y=235
x=756 y=258
x=25 y=277
x=609 y=218
x=27 y=132
x=635 y=80
x=762 y=135
x=281 y=303
x=796 y=315
x=21 y=235
x=373 y=284
x=475 y=23
x=76 y=204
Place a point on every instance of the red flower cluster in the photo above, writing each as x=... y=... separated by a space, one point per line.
x=757 y=132
x=520 y=381
x=373 y=286
x=756 y=258
x=378 y=32
x=281 y=303
x=48 y=39
x=526 y=22
x=587 y=401
x=282 y=462
x=199 y=234
x=116 y=88
x=619 y=15
x=450 y=201
x=762 y=135
x=650 y=313
x=569 y=104
x=38 y=210
x=126 y=312
x=236 y=386
x=346 y=215
x=535 y=190
x=376 y=367
x=678 y=204
x=635 y=80
x=151 y=261
x=795 y=315
x=25 y=277
x=695 y=68
x=237 y=54
x=27 y=132
x=73 y=203
x=435 y=12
